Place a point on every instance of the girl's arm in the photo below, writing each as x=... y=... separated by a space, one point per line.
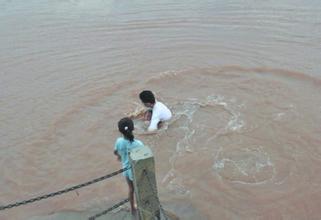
x=118 y=156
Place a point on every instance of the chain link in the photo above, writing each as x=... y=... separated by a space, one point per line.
x=9 y=206
x=108 y=210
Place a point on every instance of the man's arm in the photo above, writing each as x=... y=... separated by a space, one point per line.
x=153 y=123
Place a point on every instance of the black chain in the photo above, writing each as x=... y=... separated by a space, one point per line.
x=108 y=210
x=62 y=191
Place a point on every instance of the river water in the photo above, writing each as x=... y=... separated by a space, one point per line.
x=242 y=77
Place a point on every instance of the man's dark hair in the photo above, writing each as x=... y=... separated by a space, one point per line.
x=147 y=97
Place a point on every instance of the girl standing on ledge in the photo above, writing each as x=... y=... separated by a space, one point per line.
x=123 y=146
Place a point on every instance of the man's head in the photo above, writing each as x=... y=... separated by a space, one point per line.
x=147 y=97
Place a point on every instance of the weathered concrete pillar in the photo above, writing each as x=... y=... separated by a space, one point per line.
x=143 y=167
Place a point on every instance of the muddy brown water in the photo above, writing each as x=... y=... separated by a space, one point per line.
x=242 y=77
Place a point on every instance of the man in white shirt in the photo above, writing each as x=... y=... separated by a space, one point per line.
x=157 y=113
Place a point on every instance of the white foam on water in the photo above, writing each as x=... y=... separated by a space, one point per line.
x=183 y=114
x=176 y=186
x=188 y=108
x=278 y=116
x=245 y=166
x=236 y=123
x=169 y=176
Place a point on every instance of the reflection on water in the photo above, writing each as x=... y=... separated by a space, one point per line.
x=242 y=78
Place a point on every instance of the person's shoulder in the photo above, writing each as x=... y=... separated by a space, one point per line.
x=161 y=106
x=138 y=142
x=120 y=140
x=118 y=143
x=161 y=103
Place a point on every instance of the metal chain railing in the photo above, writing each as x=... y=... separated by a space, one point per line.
x=35 y=199
x=108 y=210
x=154 y=191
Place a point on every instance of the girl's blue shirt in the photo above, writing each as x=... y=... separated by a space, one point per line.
x=123 y=148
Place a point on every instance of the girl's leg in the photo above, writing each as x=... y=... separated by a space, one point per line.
x=131 y=195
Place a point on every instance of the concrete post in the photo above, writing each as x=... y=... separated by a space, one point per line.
x=143 y=167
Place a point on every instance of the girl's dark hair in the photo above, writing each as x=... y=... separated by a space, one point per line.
x=126 y=127
x=147 y=96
